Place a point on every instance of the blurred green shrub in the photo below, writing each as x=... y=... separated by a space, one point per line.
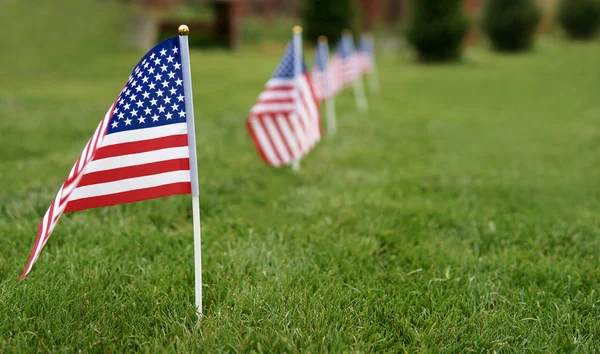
x=436 y=29
x=579 y=18
x=329 y=18
x=511 y=24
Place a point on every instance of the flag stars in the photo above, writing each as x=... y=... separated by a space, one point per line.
x=153 y=102
x=132 y=97
x=161 y=109
x=151 y=70
x=177 y=66
x=126 y=106
x=155 y=118
x=133 y=113
x=158 y=77
x=139 y=103
x=147 y=111
x=169 y=116
x=127 y=121
x=142 y=120
x=170 y=59
x=165 y=83
x=121 y=115
x=175 y=50
x=114 y=124
x=159 y=93
x=180 y=98
x=145 y=95
x=163 y=52
x=181 y=114
x=171 y=75
x=153 y=56
x=163 y=68
x=167 y=100
x=175 y=107
x=178 y=82
x=138 y=89
x=145 y=79
x=157 y=61
x=173 y=91
x=152 y=86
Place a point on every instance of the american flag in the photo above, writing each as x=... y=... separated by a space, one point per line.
x=365 y=56
x=139 y=150
x=344 y=64
x=285 y=122
x=321 y=76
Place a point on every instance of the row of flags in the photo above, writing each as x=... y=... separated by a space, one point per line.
x=145 y=147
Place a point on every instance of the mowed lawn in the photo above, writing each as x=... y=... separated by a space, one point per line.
x=459 y=214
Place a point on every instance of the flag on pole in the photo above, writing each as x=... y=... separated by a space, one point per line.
x=321 y=76
x=323 y=81
x=285 y=123
x=344 y=64
x=365 y=56
x=140 y=148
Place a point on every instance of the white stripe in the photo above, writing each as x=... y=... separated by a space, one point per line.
x=276 y=95
x=275 y=83
x=291 y=140
x=144 y=134
x=272 y=107
x=142 y=158
x=131 y=184
x=263 y=141
x=276 y=138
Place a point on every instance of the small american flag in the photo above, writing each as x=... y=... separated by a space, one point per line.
x=365 y=56
x=285 y=121
x=344 y=64
x=321 y=76
x=139 y=150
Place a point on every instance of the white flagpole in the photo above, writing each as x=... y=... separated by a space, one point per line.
x=359 y=88
x=374 y=77
x=191 y=132
x=297 y=43
x=329 y=102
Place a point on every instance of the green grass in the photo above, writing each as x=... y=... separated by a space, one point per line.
x=459 y=214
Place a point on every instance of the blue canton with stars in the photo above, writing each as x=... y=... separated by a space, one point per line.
x=154 y=94
x=285 y=70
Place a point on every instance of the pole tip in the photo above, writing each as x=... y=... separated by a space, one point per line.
x=184 y=30
x=322 y=39
x=297 y=29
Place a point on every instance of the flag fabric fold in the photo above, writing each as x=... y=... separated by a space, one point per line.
x=285 y=121
x=139 y=150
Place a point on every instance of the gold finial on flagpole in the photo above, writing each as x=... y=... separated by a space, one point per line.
x=184 y=30
x=297 y=29
x=322 y=39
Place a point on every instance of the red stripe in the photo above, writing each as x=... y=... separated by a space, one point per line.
x=136 y=147
x=279 y=88
x=129 y=196
x=286 y=143
x=118 y=174
x=256 y=143
x=275 y=100
x=288 y=118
